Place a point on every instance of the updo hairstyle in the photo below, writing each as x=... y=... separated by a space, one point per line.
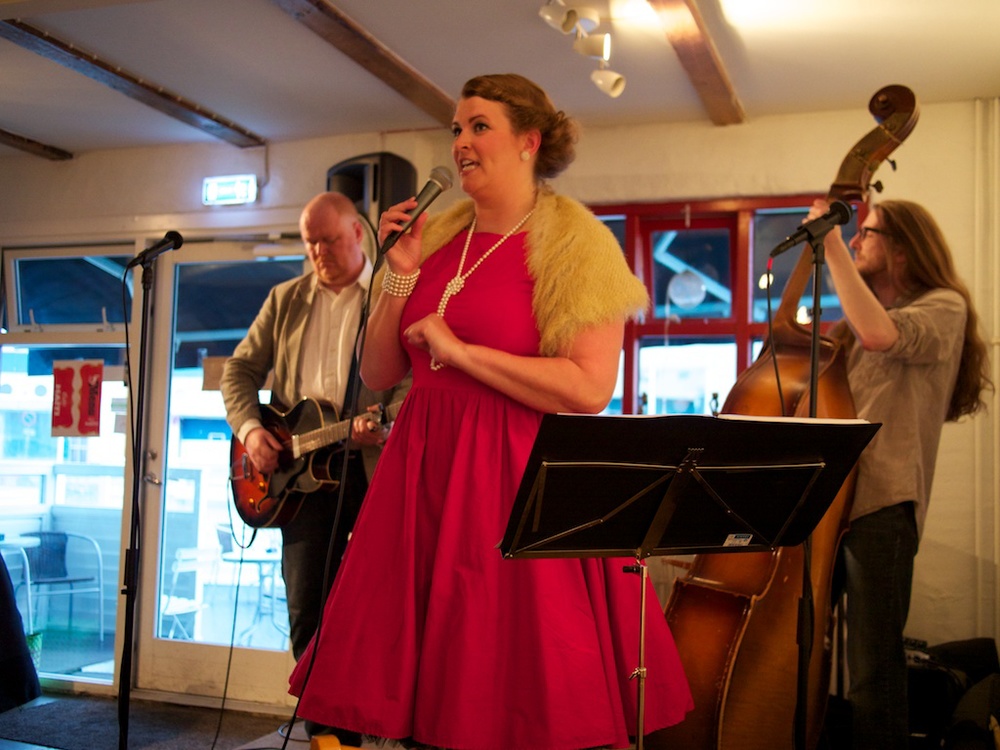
x=529 y=108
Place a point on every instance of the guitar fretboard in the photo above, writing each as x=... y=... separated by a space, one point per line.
x=321 y=437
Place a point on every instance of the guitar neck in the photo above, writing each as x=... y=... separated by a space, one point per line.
x=321 y=437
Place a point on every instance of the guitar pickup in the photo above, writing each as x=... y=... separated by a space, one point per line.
x=245 y=471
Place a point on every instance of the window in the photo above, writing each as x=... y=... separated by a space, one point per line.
x=771 y=226
x=66 y=289
x=691 y=274
x=705 y=265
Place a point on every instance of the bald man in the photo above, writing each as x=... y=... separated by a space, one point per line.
x=305 y=332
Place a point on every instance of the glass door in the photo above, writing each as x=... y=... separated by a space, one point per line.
x=60 y=512
x=63 y=438
x=210 y=585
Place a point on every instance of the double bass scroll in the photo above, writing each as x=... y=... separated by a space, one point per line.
x=895 y=110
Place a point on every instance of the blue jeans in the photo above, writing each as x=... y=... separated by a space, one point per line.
x=878 y=554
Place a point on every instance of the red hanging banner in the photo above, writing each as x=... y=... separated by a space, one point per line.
x=76 y=397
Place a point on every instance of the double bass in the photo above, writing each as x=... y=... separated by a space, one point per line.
x=736 y=616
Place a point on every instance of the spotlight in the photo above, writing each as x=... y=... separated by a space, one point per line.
x=608 y=81
x=566 y=20
x=587 y=19
x=583 y=20
x=598 y=46
x=558 y=16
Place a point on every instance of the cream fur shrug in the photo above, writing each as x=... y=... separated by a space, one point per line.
x=580 y=273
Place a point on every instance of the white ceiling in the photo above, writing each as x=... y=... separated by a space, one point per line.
x=251 y=62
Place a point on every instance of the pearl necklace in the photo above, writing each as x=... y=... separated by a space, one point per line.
x=456 y=285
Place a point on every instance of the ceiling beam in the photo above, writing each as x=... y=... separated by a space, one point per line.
x=64 y=53
x=685 y=29
x=33 y=147
x=354 y=41
x=29 y=8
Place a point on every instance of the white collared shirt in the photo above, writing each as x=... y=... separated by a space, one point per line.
x=329 y=340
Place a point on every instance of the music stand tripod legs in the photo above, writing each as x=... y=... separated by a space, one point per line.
x=639 y=673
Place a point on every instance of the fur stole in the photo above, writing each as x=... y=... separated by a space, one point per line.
x=581 y=276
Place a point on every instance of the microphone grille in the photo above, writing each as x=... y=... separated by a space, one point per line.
x=442 y=176
x=843 y=211
x=175 y=238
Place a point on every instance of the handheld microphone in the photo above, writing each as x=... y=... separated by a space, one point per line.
x=437 y=183
x=839 y=213
x=171 y=241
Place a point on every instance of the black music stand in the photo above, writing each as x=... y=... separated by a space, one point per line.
x=598 y=486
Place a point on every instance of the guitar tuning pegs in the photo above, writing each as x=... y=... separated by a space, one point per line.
x=892 y=163
x=876 y=186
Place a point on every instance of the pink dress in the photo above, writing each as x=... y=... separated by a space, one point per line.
x=453 y=645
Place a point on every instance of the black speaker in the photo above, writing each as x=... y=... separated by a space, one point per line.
x=373 y=181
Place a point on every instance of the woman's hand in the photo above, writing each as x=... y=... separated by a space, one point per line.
x=404 y=256
x=434 y=336
x=385 y=362
x=582 y=379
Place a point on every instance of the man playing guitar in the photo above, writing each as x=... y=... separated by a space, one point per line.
x=305 y=335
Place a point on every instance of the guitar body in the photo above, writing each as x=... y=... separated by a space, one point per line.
x=273 y=500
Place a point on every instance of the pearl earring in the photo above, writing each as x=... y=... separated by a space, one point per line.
x=525 y=155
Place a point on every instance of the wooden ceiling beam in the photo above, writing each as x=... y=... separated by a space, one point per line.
x=685 y=29
x=346 y=35
x=33 y=147
x=66 y=54
x=31 y=8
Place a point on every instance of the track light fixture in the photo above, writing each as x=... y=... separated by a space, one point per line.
x=558 y=16
x=587 y=19
x=567 y=20
x=611 y=83
x=598 y=46
x=582 y=20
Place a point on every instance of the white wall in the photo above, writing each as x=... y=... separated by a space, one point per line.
x=949 y=163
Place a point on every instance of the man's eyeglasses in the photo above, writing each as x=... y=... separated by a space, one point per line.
x=863 y=232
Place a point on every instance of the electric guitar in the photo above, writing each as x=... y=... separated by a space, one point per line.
x=274 y=499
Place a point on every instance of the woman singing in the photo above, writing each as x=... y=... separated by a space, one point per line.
x=508 y=306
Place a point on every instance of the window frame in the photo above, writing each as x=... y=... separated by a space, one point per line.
x=739 y=212
x=19 y=331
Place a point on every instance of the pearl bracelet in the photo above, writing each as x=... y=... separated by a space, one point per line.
x=399 y=286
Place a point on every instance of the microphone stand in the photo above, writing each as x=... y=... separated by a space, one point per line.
x=131 y=568
x=806 y=605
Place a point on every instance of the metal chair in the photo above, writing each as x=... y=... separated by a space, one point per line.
x=271 y=589
x=183 y=595
x=56 y=568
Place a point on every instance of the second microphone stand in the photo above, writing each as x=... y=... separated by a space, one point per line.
x=806 y=603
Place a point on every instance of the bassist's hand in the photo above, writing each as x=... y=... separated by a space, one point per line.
x=263 y=449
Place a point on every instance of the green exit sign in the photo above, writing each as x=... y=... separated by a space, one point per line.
x=230 y=190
